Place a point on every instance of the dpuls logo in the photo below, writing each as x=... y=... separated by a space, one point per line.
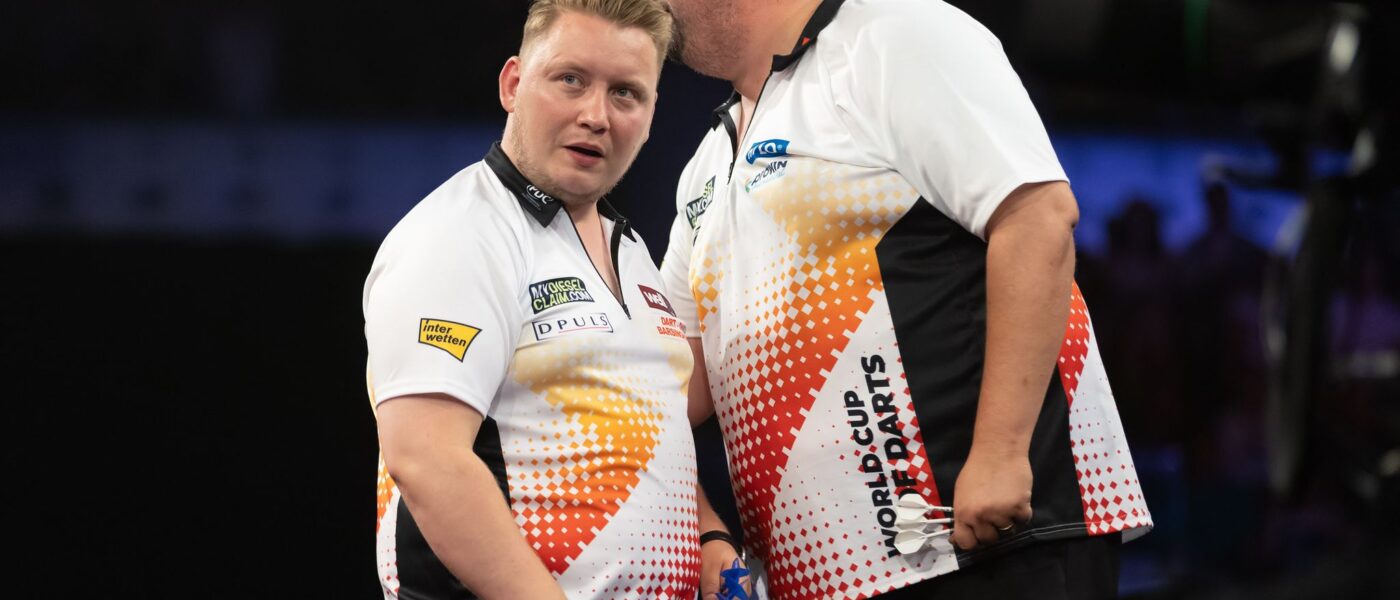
x=766 y=149
x=552 y=328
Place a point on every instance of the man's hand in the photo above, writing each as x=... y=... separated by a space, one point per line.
x=992 y=494
x=716 y=556
x=1030 y=270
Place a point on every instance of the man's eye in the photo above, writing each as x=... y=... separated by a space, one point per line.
x=571 y=79
x=628 y=93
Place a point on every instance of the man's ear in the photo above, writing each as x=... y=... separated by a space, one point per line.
x=510 y=83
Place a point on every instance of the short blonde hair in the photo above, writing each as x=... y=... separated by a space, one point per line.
x=650 y=16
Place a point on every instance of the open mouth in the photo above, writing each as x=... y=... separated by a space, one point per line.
x=586 y=151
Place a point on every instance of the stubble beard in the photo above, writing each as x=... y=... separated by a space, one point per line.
x=703 y=44
x=537 y=175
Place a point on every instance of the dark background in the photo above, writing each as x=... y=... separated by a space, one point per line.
x=191 y=194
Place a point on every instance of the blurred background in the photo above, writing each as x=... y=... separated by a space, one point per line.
x=191 y=194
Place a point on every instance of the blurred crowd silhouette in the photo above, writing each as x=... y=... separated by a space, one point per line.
x=1184 y=339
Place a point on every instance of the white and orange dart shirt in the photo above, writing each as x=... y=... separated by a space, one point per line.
x=833 y=263
x=484 y=292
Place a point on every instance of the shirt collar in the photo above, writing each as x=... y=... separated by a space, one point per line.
x=722 y=110
x=820 y=19
x=538 y=203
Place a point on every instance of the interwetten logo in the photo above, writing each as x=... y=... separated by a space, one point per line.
x=766 y=149
x=452 y=338
x=550 y=293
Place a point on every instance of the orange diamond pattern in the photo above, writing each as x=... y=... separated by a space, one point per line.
x=819 y=281
x=583 y=465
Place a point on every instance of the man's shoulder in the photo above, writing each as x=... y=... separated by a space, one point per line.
x=472 y=204
x=920 y=13
x=474 y=192
x=899 y=24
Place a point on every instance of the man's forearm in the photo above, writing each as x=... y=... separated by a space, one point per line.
x=1030 y=272
x=709 y=519
x=458 y=506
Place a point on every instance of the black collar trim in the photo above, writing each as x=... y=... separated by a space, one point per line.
x=722 y=111
x=820 y=19
x=606 y=209
x=535 y=201
x=542 y=206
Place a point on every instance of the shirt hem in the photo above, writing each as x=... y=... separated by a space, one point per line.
x=1001 y=192
x=1028 y=538
x=387 y=392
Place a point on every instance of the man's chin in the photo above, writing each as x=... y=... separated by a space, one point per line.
x=707 y=65
x=575 y=190
x=580 y=185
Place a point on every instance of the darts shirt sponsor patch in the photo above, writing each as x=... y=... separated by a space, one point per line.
x=550 y=293
x=452 y=338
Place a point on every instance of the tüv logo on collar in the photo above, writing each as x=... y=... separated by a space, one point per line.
x=766 y=149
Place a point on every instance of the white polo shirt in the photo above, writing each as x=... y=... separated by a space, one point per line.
x=833 y=263
x=484 y=292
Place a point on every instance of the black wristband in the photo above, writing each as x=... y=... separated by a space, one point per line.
x=715 y=534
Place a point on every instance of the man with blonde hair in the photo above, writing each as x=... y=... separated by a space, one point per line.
x=528 y=375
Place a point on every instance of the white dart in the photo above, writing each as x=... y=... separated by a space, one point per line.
x=911 y=541
x=913 y=506
x=918 y=522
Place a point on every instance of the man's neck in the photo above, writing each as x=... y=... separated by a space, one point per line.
x=582 y=212
x=589 y=225
x=776 y=27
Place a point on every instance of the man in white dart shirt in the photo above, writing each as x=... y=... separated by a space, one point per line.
x=527 y=369
x=873 y=256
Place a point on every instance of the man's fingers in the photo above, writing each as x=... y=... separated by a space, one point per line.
x=709 y=587
x=710 y=580
x=1023 y=515
x=963 y=537
x=968 y=535
x=986 y=532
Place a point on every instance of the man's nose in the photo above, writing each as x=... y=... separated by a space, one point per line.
x=593 y=110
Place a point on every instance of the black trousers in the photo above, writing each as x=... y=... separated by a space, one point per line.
x=1073 y=569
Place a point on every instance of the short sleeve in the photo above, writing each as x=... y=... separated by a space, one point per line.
x=933 y=92
x=442 y=307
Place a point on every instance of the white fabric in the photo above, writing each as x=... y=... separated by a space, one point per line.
x=899 y=105
x=913 y=87
x=590 y=401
